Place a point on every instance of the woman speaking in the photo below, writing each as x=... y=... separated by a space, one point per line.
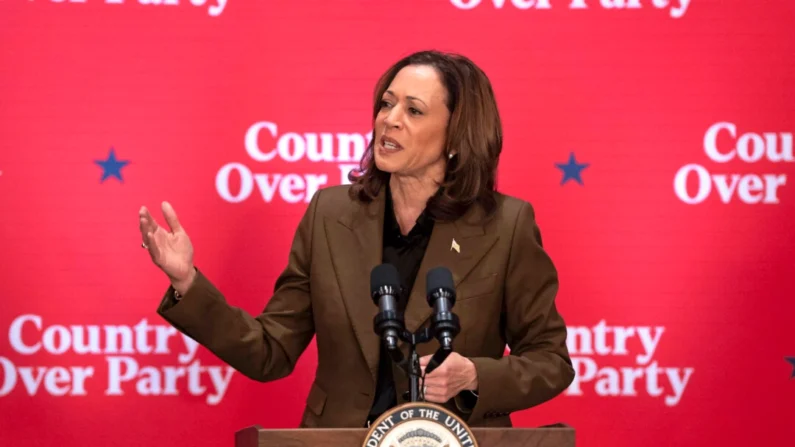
x=425 y=197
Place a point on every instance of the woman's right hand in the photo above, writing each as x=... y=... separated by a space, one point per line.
x=171 y=250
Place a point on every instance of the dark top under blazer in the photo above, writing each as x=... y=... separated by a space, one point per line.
x=405 y=252
x=505 y=282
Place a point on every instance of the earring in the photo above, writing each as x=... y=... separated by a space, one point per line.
x=450 y=156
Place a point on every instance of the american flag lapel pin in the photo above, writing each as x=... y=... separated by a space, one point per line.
x=455 y=246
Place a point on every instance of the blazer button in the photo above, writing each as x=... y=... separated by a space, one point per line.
x=406 y=396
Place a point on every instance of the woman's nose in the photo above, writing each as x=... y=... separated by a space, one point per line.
x=393 y=118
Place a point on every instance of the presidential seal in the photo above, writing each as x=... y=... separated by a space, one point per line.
x=419 y=424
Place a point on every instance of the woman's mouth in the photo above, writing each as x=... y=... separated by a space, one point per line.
x=390 y=144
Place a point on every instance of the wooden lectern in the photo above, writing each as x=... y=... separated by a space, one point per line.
x=559 y=435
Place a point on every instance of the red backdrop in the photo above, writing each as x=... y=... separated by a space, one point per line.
x=673 y=248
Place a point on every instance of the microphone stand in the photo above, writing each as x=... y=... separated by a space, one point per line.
x=411 y=366
x=445 y=323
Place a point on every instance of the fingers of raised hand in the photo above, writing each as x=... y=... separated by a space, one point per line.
x=148 y=228
x=153 y=244
x=171 y=217
x=146 y=222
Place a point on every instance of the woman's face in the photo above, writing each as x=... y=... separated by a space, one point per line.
x=411 y=126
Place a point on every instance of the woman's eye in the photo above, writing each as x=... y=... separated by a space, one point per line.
x=414 y=111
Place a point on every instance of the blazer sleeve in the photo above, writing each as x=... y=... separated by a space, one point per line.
x=265 y=347
x=538 y=367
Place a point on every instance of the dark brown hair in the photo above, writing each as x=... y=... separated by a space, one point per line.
x=474 y=133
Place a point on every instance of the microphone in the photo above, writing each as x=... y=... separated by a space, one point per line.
x=444 y=323
x=384 y=289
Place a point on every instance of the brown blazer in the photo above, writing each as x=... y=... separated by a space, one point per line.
x=505 y=283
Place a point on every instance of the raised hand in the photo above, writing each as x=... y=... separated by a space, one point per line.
x=170 y=249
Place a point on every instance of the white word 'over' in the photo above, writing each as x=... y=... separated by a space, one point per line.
x=677 y=7
x=31 y=338
x=342 y=148
x=766 y=149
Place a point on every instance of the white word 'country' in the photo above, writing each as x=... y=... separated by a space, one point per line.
x=122 y=347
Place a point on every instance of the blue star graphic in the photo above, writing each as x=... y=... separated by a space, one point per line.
x=112 y=166
x=791 y=360
x=572 y=170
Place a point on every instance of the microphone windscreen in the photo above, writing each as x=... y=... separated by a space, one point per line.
x=439 y=278
x=384 y=275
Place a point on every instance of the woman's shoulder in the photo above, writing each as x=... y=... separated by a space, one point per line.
x=334 y=200
x=518 y=217
x=510 y=209
x=333 y=195
x=506 y=215
x=509 y=203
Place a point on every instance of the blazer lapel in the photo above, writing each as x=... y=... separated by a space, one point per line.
x=459 y=246
x=355 y=242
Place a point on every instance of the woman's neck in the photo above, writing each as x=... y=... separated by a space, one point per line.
x=409 y=198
